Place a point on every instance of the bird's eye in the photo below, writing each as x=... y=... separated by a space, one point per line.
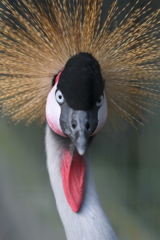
x=100 y=101
x=59 y=97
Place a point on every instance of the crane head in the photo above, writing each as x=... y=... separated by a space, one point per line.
x=76 y=106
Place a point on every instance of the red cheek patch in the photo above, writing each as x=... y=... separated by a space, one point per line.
x=73 y=171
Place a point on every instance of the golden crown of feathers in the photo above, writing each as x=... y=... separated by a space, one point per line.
x=38 y=38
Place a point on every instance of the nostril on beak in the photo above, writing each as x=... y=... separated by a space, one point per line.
x=74 y=125
x=87 y=126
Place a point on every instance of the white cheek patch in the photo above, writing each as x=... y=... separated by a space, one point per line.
x=102 y=116
x=53 y=111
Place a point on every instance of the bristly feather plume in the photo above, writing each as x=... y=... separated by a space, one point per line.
x=37 y=40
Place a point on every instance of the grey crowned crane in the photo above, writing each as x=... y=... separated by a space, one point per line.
x=60 y=56
x=76 y=107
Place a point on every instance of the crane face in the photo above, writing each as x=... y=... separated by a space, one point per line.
x=76 y=106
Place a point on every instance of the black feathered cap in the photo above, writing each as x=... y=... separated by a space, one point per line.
x=81 y=82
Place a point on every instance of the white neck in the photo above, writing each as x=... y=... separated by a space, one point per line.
x=90 y=223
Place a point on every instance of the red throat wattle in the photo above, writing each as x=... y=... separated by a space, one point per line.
x=73 y=171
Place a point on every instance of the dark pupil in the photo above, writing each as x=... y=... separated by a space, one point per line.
x=60 y=97
x=99 y=100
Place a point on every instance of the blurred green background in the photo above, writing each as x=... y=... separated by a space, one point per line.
x=126 y=169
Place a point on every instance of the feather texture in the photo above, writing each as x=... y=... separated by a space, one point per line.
x=37 y=40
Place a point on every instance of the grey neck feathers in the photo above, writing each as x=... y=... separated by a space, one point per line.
x=90 y=223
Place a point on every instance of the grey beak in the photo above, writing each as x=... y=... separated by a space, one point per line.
x=79 y=126
x=80 y=130
x=81 y=143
